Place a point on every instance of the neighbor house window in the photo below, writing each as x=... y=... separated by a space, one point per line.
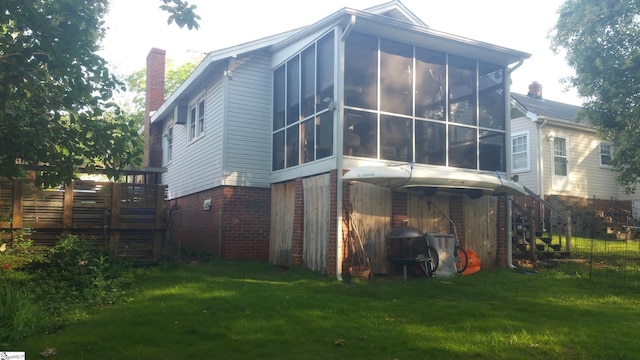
x=411 y=104
x=196 y=120
x=303 y=105
x=520 y=152
x=606 y=154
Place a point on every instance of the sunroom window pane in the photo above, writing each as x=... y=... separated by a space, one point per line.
x=325 y=72
x=396 y=77
x=293 y=90
x=431 y=144
x=491 y=100
x=324 y=135
x=279 y=98
x=361 y=71
x=278 y=151
x=430 y=84
x=308 y=76
x=462 y=85
x=293 y=145
x=492 y=151
x=396 y=138
x=307 y=130
x=462 y=147
x=361 y=134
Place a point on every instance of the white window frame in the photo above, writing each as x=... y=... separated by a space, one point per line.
x=527 y=151
x=169 y=143
x=610 y=146
x=196 y=123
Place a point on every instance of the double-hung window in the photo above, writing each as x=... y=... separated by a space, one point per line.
x=520 y=160
x=196 y=120
x=168 y=144
x=606 y=154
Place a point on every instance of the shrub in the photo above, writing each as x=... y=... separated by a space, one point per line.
x=79 y=271
x=69 y=260
x=17 y=253
x=75 y=279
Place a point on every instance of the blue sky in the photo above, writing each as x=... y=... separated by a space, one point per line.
x=137 y=26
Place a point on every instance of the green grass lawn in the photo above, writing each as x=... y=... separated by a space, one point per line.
x=609 y=260
x=252 y=310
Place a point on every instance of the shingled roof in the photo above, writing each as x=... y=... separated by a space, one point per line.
x=547 y=108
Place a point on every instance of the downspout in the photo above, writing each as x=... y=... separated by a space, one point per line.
x=517 y=65
x=509 y=230
x=338 y=58
x=540 y=167
x=509 y=205
x=539 y=160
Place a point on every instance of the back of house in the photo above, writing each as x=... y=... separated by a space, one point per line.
x=256 y=142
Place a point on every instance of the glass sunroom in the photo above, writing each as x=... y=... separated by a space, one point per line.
x=432 y=102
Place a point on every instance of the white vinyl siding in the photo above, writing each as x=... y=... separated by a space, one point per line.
x=587 y=178
x=196 y=166
x=248 y=123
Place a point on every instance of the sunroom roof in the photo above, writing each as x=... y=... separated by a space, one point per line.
x=390 y=20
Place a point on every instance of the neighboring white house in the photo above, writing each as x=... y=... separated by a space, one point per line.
x=553 y=154
x=256 y=140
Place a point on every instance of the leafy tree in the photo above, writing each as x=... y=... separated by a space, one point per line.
x=181 y=13
x=55 y=91
x=602 y=43
x=136 y=85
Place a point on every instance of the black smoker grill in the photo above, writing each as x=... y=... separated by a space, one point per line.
x=408 y=246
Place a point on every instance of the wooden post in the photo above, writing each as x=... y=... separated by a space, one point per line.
x=159 y=223
x=114 y=236
x=67 y=209
x=569 y=228
x=16 y=221
x=532 y=234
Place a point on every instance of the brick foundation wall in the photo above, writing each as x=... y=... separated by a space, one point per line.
x=236 y=227
x=190 y=226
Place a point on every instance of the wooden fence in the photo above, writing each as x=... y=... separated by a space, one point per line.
x=127 y=220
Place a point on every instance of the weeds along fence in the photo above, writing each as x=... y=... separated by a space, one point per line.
x=124 y=219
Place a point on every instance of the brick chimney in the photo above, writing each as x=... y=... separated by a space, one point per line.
x=153 y=100
x=535 y=90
